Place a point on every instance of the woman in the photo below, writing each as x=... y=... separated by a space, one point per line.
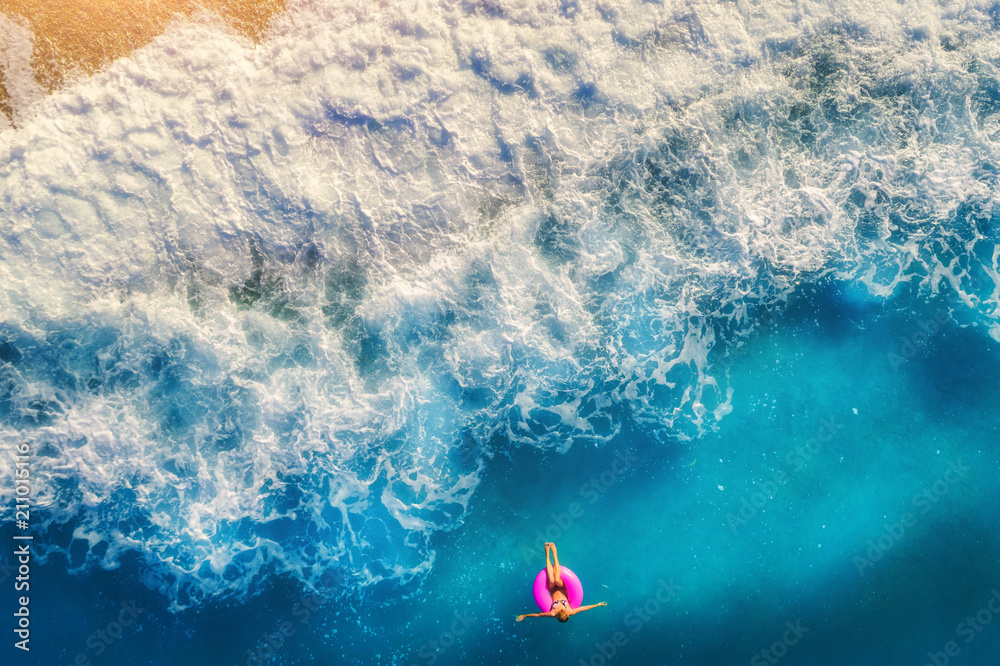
x=560 y=602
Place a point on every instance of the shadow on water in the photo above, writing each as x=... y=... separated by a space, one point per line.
x=954 y=372
x=836 y=309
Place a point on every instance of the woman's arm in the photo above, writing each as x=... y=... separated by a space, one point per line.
x=583 y=608
x=521 y=617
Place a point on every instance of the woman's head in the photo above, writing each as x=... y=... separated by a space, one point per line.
x=563 y=615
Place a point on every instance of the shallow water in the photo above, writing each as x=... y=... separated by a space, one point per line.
x=325 y=337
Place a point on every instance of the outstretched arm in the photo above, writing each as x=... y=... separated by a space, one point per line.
x=521 y=617
x=583 y=608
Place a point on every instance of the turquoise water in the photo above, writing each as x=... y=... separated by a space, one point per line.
x=314 y=345
x=658 y=523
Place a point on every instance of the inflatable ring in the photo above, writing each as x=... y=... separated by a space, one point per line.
x=574 y=589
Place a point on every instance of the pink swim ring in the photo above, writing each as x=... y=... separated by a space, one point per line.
x=574 y=589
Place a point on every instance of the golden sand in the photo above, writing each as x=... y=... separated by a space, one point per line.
x=86 y=35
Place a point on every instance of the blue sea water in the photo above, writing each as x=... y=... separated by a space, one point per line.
x=315 y=343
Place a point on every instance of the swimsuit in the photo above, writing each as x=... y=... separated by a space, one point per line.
x=558 y=602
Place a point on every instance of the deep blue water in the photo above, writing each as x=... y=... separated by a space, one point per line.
x=314 y=344
x=731 y=589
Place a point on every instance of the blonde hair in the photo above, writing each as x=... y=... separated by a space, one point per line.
x=563 y=615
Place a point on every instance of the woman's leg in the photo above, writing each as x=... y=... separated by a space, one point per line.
x=548 y=566
x=556 y=574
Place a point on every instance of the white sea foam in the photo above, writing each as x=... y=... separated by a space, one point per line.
x=273 y=308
